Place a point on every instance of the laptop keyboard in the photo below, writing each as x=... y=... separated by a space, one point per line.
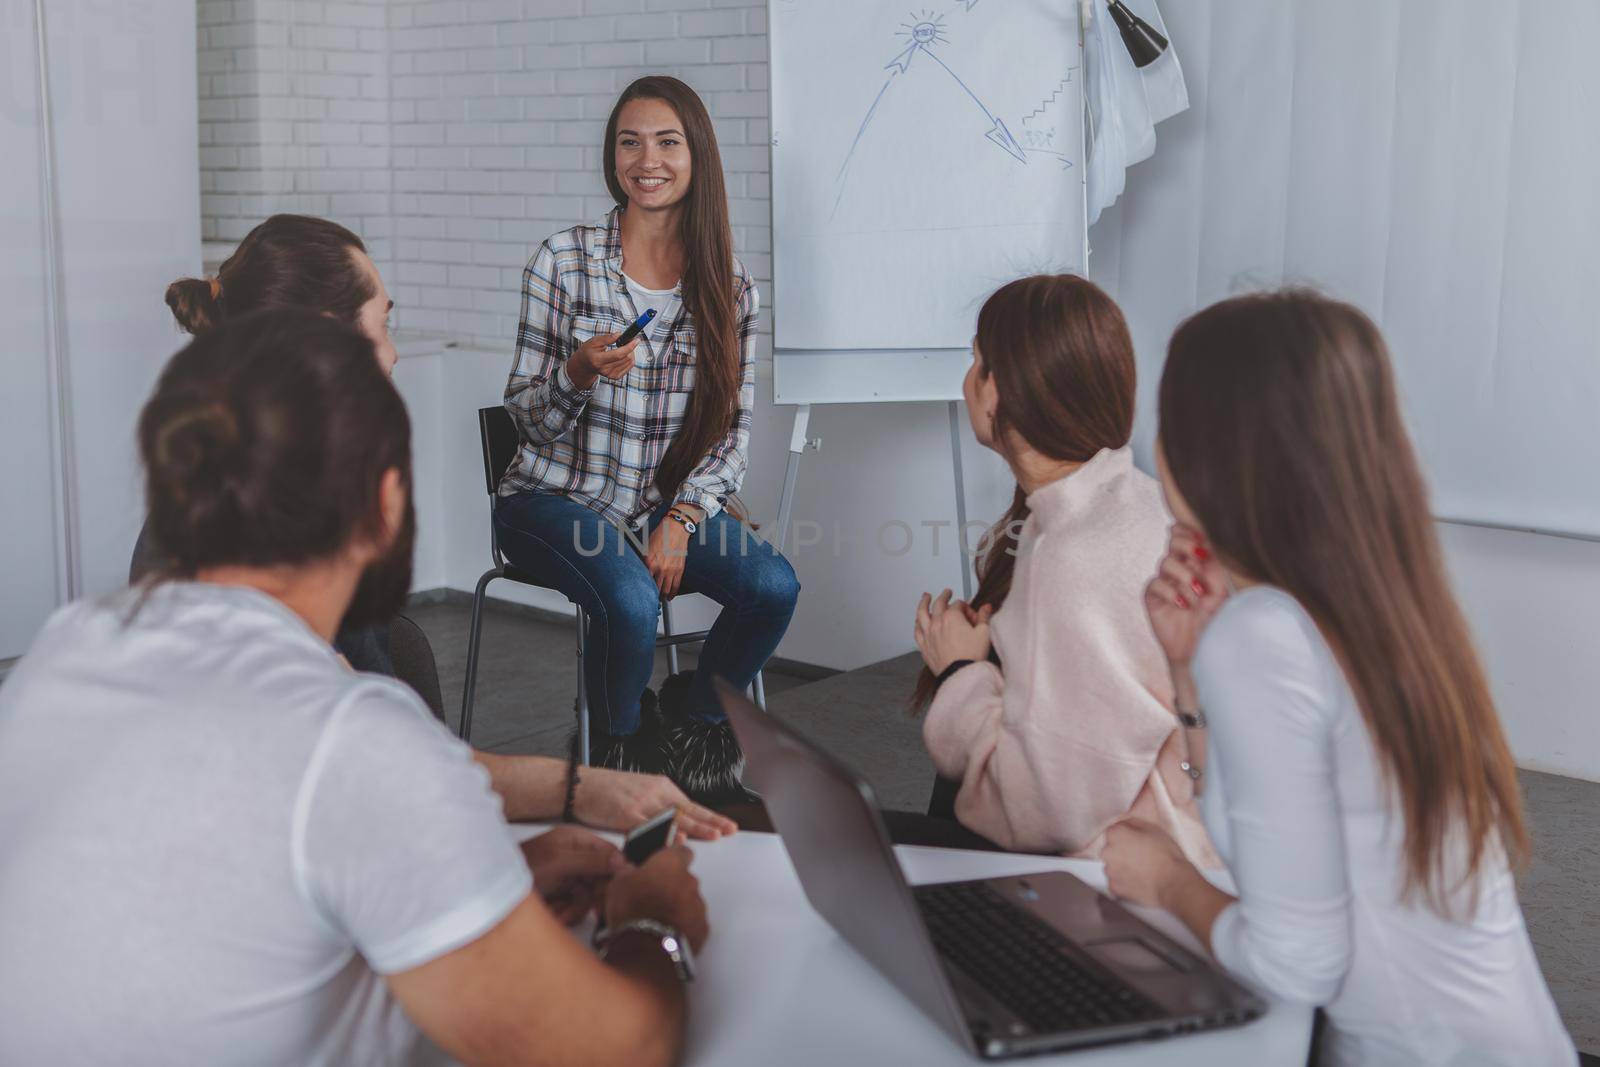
x=1025 y=963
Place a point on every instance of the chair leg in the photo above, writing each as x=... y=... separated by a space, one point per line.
x=666 y=629
x=469 y=688
x=758 y=691
x=582 y=707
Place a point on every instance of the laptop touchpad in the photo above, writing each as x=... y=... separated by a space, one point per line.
x=1133 y=954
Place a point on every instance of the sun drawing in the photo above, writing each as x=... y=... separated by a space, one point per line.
x=927 y=29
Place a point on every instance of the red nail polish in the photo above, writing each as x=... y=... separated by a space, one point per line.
x=1199 y=590
x=1182 y=603
x=1201 y=553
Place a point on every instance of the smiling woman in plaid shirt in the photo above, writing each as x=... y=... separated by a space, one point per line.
x=653 y=435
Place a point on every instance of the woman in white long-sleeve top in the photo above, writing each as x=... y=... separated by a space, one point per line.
x=1355 y=777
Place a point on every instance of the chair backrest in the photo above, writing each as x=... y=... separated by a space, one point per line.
x=500 y=443
x=414 y=664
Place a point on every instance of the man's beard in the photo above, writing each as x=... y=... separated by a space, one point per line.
x=384 y=585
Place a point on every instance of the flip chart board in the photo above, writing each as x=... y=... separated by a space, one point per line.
x=922 y=155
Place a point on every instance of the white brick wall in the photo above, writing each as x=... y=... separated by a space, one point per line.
x=294 y=115
x=499 y=110
x=455 y=135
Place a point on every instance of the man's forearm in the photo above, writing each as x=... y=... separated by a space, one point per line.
x=530 y=787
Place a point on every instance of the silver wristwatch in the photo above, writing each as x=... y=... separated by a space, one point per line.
x=672 y=943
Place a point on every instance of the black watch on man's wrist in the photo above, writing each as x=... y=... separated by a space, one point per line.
x=673 y=945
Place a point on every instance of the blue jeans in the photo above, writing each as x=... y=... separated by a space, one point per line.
x=568 y=547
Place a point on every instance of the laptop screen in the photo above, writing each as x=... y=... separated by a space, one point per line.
x=830 y=826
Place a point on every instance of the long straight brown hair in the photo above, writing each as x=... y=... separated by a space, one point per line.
x=1061 y=358
x=709 y=292
x=1281 y=427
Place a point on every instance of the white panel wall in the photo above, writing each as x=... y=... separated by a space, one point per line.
x=27 y=550
x=126 y=189
x=419 y=375
x=1534 y=606
x=123 y=79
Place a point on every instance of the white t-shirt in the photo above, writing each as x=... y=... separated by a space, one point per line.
x=1295 y=802
x=214 y=839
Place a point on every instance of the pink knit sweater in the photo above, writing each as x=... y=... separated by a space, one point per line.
x=1077 y=730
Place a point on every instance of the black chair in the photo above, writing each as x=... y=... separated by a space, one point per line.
x=414 y=664
x=500 y=440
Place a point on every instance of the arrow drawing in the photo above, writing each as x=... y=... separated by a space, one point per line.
x=902 y=62
x=927 y=31
x=998 y=132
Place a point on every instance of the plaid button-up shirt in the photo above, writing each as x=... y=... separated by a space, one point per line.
x=601 y=446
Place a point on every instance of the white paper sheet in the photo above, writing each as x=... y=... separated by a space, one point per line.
x=923 y=155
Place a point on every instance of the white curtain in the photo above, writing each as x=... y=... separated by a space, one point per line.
x=1436 y=162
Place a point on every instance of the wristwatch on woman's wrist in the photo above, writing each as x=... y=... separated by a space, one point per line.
x=672 y=943
x=682 y=519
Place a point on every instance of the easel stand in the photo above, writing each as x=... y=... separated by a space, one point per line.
x=798 y=444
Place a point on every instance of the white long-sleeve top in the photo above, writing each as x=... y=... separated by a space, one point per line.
x=1295 y=802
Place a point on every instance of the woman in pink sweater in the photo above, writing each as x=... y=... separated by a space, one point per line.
x=1048 y=697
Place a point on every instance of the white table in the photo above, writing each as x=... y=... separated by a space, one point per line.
x=777 y=986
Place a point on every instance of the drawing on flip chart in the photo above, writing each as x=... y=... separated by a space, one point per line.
x=923 y=35
x=923 y=153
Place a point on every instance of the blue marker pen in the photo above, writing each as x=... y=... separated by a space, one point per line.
x=638 y=327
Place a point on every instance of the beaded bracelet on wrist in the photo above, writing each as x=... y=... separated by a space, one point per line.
x=567 y=806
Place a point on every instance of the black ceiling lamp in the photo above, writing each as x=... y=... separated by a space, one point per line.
x=1145 y=45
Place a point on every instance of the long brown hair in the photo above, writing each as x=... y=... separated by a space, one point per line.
x=1061 y=358
x=288 y=261
x=709 y=292
x=1281 y=427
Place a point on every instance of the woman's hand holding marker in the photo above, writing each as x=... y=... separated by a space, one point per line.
x=595 y=358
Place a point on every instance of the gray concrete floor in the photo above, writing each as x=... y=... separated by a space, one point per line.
x=524 y=704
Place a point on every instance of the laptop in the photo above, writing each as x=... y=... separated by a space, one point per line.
x=1008 y=966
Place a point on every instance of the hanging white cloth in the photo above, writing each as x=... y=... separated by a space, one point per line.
x=1125 y=102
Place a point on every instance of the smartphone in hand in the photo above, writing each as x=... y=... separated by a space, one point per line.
x=650 y=836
